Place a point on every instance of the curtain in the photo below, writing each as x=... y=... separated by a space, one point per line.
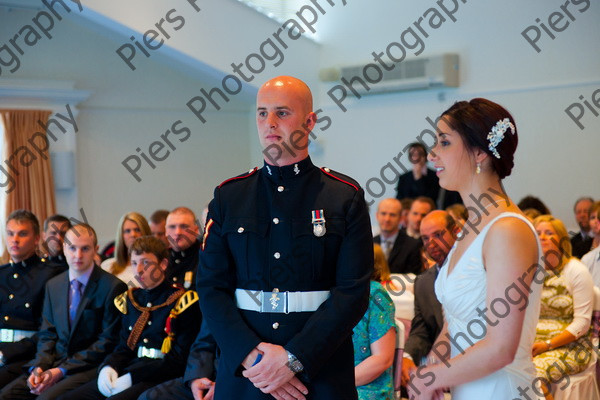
x=26 y=172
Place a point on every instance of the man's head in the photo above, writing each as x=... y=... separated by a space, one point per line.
x=284 y=119
x=22 y=234
x=417 y=154
x=438 y=233
x=157 y=223
x=80 y=247
x=149 y=259
x=388 y=216
x=182 y=229
x=55 y=228
x=582 y=209
x=419 y=208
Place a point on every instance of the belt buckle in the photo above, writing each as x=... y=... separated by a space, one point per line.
x=274 y=302
x=7 y=335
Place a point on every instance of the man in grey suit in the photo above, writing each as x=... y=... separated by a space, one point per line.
x=438 y=233
x=79 y=323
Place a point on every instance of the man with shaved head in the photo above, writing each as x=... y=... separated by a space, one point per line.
x=402 y=252
x=285 y=262
x=438 y=233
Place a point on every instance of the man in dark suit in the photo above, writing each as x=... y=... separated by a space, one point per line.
x=438 y=233
x=582 y=241
x=79 y=323
x=55 y=228
x=402 y=252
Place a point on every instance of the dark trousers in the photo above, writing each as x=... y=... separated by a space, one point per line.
x=18 y=389
x=175 y=389
x=10 y=372
x=90 y=391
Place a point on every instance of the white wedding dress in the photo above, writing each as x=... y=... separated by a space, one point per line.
x=461 y=293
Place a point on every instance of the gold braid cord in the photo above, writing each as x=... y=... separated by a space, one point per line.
x=136 y=332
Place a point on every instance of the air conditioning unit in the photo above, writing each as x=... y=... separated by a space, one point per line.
x=410 y=74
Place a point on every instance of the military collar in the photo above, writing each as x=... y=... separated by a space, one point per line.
x=189 y=252
x=57 y=258
x=34 y=259
x=287 y=171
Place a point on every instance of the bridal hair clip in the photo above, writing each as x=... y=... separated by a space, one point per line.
x=497 y=134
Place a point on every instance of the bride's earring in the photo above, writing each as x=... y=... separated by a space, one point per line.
x=478 y=169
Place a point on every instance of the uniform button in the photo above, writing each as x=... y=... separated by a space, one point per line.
x=177 y=261
x=130 y=328
x=145 y=340
x=26 y=305
x=241 y=229
x=6 y=317
x=276 y=290
x=276 y=220
x=149 y=304
x=277 y=255
x=174 y=279
x=15 y=276
x=11 y=296
x=276 y=325
x=280 y=188
x=149 y=322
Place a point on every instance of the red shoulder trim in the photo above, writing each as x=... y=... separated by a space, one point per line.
x=326 y=172
x=251 y=172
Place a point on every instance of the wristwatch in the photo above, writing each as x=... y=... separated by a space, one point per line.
x=549 y=344
x=294 y=364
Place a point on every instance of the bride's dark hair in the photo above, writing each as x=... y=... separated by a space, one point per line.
x=473 y=120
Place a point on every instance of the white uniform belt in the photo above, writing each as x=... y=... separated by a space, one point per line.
x=149 y=353
x=14 y=335
x=279 y=302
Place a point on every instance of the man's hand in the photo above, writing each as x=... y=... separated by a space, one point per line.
x=294 y=389
x=199 y=386
x=106 y=380
x=35 y=378
x=122 y=383
x=272 y=371
x=45 y=379
x=408 y=368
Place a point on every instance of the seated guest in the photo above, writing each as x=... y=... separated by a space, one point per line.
x=403 y=253
x=438 y=233
x=200 y=374
x=374 y=339
x=419 y=208
x=406 y=203
x=459 y=213
x=55 y=228
x=566 y=307
x=592 y=258
x=182 y=234
x=157 y=223
x=22 y=293
x=535 y=203
x=531 y=214
x=158 y=325
x=79 y=324
x=131 y=226
x=582 y=241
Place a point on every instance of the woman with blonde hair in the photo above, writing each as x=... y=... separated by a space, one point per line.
x=563 y=329
x=131 y=226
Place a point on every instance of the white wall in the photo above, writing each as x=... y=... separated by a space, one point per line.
x=130 y=109
x=555 y=160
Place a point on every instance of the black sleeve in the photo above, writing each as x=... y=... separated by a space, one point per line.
x=201 y=361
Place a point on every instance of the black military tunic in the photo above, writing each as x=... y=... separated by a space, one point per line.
x=21 y=301
x=183 y=266
x=59 y=260
x=260 y=235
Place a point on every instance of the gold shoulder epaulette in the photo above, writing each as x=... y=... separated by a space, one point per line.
x=186 y=300
x=121 y=302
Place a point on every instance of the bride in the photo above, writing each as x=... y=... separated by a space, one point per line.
x=490 y=283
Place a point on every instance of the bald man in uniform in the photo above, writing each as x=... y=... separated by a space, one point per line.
x=285 y=264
